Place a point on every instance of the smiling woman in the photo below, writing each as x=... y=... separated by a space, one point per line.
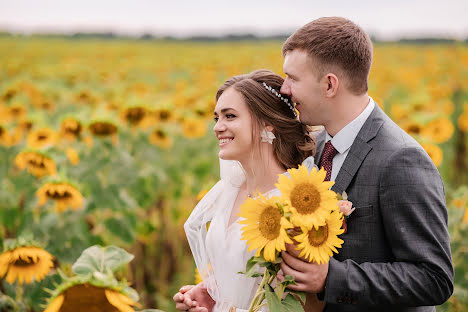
x=259 y=137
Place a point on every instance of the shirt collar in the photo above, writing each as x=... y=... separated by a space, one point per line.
x=343 y=140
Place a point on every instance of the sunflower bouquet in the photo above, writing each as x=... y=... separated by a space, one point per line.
x=307 y=214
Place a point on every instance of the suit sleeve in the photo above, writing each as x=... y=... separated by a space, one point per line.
x=414 y=217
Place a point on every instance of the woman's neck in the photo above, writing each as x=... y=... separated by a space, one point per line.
x=261 y=175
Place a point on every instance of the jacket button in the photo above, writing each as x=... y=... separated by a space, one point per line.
x=339 y=299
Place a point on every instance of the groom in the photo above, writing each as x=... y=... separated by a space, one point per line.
x=396 y=251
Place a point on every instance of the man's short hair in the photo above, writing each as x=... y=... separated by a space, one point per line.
x=338 y=45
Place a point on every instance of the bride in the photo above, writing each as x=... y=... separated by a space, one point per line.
x=259 y=137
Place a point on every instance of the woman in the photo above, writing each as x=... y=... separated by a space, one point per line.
x=259 y=137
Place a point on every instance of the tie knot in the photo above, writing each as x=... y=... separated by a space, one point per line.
x=329 y=151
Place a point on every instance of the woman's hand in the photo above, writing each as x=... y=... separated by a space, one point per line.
x=194 y=299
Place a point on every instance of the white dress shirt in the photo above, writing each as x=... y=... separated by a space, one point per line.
x=343 y=140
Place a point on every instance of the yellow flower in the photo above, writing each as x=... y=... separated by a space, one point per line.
x=86 y=297
x=160 y=138
x=201 y=194
x=72 y=156
x=41 y=138
x=103 y=128
x=70 y=129
x=458 y=202
x=25 y=264
x=36 y=163
x=198 y=278
x=463 y=122
x=434 y=152
x=64 y=195
x=163 y=114
x=134 y=115
x=438 y=130
x=193 y=128
x=412 y=128
x=265 y=226
x=4 y=137
x=308 y=196
x=465 y=216
x=318 y=244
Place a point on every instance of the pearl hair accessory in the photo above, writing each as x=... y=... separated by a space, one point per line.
x=285 y=100
x=267 y=136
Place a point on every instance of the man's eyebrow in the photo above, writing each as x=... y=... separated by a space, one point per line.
x=224 y=110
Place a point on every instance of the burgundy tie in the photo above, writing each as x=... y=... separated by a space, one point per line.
x=326 y=161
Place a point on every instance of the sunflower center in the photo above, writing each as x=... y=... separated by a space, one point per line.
x=42 y=137
x=103 y=129
x=319 y=236
x=160 y=134
x=164 y=115
x=56 y=195
x=135 y=115
x=86 y=297
x=39 y=163
x=270 y=222
x=25 y=262
x=305 y=198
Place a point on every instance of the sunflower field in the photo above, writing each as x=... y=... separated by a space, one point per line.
x=107 y=145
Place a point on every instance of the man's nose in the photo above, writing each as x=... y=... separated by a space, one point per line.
x=285 y=88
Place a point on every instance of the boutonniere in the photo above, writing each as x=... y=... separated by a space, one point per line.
x=346 y=208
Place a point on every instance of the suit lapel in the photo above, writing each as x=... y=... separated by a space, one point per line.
x=358 y=150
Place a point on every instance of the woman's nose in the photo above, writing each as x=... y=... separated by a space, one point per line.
x=219 y=126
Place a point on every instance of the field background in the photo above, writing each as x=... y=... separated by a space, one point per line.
x=144 y=151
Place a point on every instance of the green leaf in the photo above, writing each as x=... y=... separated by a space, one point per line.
x=101 y=259
x=274 y=303
x=300 y=294
x=121 y=229
x=252 y=267
x=291 y=304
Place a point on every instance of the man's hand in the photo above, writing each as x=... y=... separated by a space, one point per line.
x=194 y=299
x=310 y=277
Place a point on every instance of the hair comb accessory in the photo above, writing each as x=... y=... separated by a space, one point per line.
x=285 y=100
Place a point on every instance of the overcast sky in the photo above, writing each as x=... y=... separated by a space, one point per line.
x=384 y=19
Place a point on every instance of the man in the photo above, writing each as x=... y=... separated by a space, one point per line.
x=396 y=252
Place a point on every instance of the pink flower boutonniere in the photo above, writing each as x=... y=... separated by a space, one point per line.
x=346 y=208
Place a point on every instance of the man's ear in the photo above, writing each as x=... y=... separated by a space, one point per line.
x=332 y=83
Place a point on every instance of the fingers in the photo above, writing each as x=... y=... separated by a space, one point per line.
x=198 y=309
x=292 y=250
x=182 y=307
x=186 y=288
x=293 y=262
x=178 y=297
x=287 y=270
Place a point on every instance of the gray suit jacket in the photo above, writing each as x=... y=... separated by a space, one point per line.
x=396 y=252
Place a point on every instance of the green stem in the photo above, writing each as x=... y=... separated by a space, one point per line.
x=260 y=291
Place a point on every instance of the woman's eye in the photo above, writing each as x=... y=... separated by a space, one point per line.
x=229 y=116
x=216 y=119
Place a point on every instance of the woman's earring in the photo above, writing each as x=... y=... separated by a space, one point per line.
x=267 y=136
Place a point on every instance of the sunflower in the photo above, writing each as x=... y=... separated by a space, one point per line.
x=463 y=122
x=72 y=156
x=41 y=138
x=438 y=130
x=318 y=244
x=308 y=196
x=193 y=128
x=83 y=297
x=163 y=114
x=160 y=138
x=70 y=128
x=265 y=226
x=434 y=152
x=103 y=128
x=134 y=115
x=36 y=163
x=25 y=263
x=64 y=194
x=412 y=128
x=4 y=137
